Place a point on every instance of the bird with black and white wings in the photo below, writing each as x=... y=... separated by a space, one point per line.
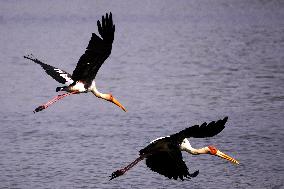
x=163 y=155
x=82 y=79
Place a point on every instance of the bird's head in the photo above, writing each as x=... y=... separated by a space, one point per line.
x=107 y=97
x=212 y=150
x=110 y=98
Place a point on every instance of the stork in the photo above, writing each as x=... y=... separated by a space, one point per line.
x=163 y=155
x=83 y=78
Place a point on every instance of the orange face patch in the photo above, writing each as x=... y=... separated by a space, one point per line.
x=213 y=150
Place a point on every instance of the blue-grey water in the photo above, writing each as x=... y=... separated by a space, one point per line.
x=173 y=64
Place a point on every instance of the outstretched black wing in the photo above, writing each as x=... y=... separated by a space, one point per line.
x=59 y=75
x=202 y=131
x=164 y=157
x=169 y=164
x=97 y=51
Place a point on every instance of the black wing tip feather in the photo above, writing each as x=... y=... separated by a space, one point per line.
x=225 y=119
x=106 y=27
x=194 y=174
x=189 y=176
x=201 y=131
x=99 y=26
x=32 y=58
x=59 y=75
x=211 y=129
x=177 y=176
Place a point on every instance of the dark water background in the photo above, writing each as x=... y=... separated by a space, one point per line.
x=173 y=64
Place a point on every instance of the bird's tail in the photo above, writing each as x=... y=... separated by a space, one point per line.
x=61 y=88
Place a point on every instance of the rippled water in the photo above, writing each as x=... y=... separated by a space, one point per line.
x=173 y=64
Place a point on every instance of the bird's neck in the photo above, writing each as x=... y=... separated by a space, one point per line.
x=98 y=94
x=195 y=151
x=198 y=151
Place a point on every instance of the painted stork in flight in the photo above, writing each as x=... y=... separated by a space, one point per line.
x=163 y=155
x=83 y=78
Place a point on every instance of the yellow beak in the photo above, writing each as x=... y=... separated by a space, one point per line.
x=113 y=100
x=225 y=156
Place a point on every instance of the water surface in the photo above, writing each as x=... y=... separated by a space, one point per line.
x=173 y=64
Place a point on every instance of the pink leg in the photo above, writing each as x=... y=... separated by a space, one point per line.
x=44 y=106
x=120 y=172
